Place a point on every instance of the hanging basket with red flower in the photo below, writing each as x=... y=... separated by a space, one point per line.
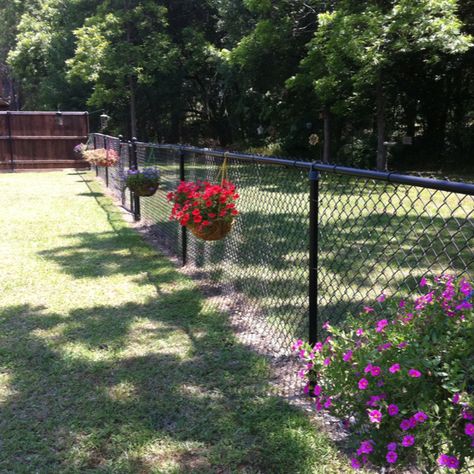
x=207 y=210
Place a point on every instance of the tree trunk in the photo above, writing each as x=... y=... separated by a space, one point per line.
x=133 y=107
x=131 y=81
x=381 y=124
x=327 y=135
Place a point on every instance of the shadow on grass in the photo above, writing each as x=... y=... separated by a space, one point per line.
x=135 y=388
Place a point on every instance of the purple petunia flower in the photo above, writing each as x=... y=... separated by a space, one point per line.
x=392 y=446
x=375 y=371
x=375 y=416
x=469 y=429
x=347 y=356
x=381 y=325
x=408 y=440
x=391 y=457
x=420 y=417
x=355 y=463
x=451 y=462
x=392 y=410
x=363 y=384
x=394 y=368
x=414 y=373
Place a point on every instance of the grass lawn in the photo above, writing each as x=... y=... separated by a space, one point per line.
x=111 y=362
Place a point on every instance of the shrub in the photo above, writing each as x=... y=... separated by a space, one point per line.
x=400 y=376
x=144 y=182
x=101 y=157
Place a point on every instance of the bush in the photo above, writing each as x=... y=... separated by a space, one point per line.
x=400 y=376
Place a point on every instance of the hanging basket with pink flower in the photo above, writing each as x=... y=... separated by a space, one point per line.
x=101 y=157
x=208 y=210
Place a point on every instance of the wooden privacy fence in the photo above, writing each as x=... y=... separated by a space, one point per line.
x=41 y=140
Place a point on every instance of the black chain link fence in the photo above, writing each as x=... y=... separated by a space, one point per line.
x=375 y=234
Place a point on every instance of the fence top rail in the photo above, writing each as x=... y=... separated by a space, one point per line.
x=25 y=112
x=395 y=178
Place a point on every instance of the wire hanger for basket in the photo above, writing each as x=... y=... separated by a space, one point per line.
x=222 y=175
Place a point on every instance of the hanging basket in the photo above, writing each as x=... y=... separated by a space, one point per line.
x=144 y=190
x=216 y=231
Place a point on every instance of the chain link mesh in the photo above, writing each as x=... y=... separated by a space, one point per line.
x=374 y=236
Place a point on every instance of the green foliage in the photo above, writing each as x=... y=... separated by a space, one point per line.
x=213 y=72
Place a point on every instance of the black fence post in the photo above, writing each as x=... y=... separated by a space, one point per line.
x=184 y=231
x=121 y=170
x=131 y=166
x=95 y=148
x=136 y=199
x=314 y=177
x=106 y=168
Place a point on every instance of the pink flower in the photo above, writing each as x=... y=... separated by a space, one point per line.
x=464 y=305
x=467 y=415
x=368 y=309
x=456 y=398
x=355 y=463
x=363 y=384
x=318 y=347
x=368 y=368
x=365 y=447
x=451 y=462
x=392 y=446
x=327 y=361
x=401 y=304
x=420 y=417
x=391 y=457
x=328 y=403
x=394 y=368
x=469 y=429
x=297 y=345
x=360 y=332
x=384 y=347
x=375 y=371
x=414 y=373
x=317 y=390
x=405 y=425
x=381 y=325
x=347 y=356
x=302 y=373
x=408 y=440
x=465 y=287
x=402 y=345
x=375 y=416
x=381 y=298
x=392 y=410
x=326 y=325
x=423 y=282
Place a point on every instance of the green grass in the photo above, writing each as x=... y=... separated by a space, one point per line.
x=112 y=362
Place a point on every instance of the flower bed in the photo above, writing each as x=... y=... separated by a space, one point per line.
x=401 y=377
x=143 y=183
x=208 y=210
